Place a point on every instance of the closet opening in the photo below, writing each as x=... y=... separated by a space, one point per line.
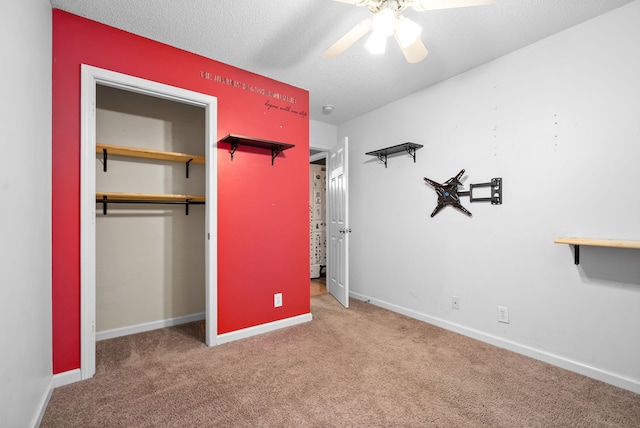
x=317 y=221
x=149 y=260
x=150 y=263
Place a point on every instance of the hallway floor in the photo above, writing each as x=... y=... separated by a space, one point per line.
x=319 y=286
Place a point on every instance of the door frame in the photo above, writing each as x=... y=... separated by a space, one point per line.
x=323 y=153
x=90 y=77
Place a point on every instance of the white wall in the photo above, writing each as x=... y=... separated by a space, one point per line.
x=322 y=136
x=25 y=226
x=559 y=122
x=150 y=261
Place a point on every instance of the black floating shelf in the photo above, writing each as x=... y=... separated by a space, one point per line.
x=406 y=147
x=238 y=140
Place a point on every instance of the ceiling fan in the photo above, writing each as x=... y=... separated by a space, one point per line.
x=388 y=21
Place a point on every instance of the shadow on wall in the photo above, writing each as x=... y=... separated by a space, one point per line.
x=618 y=266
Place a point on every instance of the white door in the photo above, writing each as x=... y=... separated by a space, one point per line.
x=338 y=219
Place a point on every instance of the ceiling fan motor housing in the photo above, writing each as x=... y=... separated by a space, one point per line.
x=376 y=6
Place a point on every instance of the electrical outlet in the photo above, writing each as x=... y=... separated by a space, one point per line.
x=503 y=314
x=455 y=302
x=277 y=300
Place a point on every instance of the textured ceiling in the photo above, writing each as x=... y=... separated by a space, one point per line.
x=285 y=39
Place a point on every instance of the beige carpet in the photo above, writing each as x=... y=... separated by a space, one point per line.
x=361 y=367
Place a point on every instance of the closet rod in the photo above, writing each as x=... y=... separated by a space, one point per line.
x=105 y=202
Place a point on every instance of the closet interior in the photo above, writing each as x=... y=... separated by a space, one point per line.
x=150 y=214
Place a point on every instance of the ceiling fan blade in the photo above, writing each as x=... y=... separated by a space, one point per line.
x=413 y=53
x=348 y=39
x=421 y=5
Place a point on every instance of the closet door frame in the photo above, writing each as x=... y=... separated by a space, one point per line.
x=90 y=77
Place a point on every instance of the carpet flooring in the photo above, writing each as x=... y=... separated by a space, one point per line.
x=358 y=367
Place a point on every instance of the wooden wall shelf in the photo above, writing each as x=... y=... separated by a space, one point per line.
x=142 y=197
x=110 y=149
x=613 y=243
x=238 y=140
x=147 y=198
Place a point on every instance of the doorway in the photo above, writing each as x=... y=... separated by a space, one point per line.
x=92 y=77
x=317 y=212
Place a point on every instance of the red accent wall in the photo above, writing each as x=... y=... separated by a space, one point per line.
x=263 y=210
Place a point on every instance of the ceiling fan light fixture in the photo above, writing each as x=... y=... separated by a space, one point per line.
x=407 y=31
x=376 y=43
x=387 y=21
x=384 y=22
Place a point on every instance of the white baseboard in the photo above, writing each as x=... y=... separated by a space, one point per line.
x=65 y=378
x=42 y=405
x=262 y=328
x=556 y=360
x=154 y=325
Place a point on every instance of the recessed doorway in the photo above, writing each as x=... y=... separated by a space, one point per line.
x=317 y=221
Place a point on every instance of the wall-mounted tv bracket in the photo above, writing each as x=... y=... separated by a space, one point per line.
x=104 y=162
x=410 y=148
x=448 y=193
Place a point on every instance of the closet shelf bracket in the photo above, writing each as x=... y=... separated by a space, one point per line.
x=188 y=163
